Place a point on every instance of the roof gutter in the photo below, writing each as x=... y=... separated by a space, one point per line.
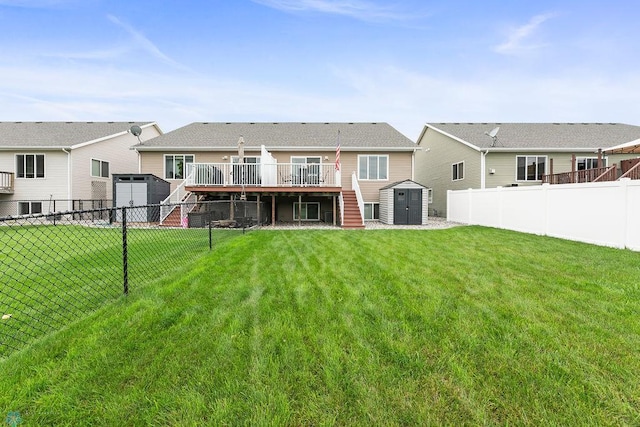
x=289 y=148
x=539 y=150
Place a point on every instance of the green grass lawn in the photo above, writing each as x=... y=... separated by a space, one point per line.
x=467 y=325
x=51 y=275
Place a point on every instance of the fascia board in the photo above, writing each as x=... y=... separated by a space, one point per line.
x=462 y=141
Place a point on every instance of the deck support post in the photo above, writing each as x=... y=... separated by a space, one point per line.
x=258 y=209
x=334 y=209
x=273 y=210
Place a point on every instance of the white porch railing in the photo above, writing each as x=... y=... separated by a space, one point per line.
x=177 y=196
x=6 y=182
x=356 y=187
x=262 y=175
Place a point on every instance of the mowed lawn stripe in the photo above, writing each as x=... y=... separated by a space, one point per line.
x=467 y=325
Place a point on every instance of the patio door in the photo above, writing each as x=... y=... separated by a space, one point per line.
x=247 y=173
x=305 y=170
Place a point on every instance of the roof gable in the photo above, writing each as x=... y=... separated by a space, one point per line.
x=274 y=136
x=25 y=135
x=539 y=136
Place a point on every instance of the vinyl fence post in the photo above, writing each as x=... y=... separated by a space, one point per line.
x=125 y=272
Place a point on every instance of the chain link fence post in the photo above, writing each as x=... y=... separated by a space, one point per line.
x=124 y=252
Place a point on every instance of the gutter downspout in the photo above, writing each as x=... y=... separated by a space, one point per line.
x=483 y=168
x=69 y=175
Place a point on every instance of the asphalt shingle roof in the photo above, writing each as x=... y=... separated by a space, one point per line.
x=58 y=134
x=543 y=135
x=281 y=135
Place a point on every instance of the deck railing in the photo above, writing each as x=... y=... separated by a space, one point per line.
x=586 y=175
x=262 y=175
x=6 y=182
x=633 y=173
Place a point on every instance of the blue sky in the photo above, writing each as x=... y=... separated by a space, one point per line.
x=402 y=62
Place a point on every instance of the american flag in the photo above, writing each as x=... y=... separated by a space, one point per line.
x=338 y=153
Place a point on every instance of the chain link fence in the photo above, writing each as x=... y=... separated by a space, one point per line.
x=61 y=266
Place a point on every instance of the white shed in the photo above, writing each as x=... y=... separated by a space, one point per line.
x=404 y=202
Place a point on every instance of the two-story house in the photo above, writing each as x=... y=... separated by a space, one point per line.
x=299 y=171
x=58 y=166
x=459 y=156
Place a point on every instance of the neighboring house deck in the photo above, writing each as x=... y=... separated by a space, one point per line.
x=294 y=169
x=459 y=156
x=47 y=166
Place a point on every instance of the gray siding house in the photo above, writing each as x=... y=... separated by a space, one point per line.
x=289 y=167
x=58 y=166
x=459 y=156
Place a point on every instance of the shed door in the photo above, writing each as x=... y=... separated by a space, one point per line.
x=131 y=194
x=407 y=206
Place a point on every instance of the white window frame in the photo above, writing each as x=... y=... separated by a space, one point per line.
x=372 y=206
x=173 y=172
x=526 y=179
x=457 y=175
x=102 y=163
x=30 y=206
x=35 y=166
x=295 y=218
x=369 y=158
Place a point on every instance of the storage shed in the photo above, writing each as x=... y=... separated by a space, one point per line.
x=139 y=190
x=404 y=203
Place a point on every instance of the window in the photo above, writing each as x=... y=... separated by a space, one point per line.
x=583 y=163
x=457 y=171
x=99 y=168
x=175 y=165
x=371 y=211
x=530 y=168
x=30 y=166
x=306 y=211
x=373 y=167
x=27 y=208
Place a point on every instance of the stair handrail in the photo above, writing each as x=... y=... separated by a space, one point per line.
x=176 y=196
x=356 y=187
x=632 y=172
x=607 y=173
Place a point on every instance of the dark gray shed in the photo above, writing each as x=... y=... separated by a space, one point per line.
x=139 y=190
x=404 y=203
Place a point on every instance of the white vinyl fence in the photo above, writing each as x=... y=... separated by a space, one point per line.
x=602 y=213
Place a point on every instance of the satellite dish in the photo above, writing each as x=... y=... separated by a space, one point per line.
x=493 y=135
x=135 y=130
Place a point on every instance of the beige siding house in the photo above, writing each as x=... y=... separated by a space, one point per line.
x=289 y=167
x=59 y=166
x=458 y=156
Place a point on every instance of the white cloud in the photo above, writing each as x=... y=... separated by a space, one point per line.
x=137 y=42
x=358 y=9
x=141 y=41
x=518 y=37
